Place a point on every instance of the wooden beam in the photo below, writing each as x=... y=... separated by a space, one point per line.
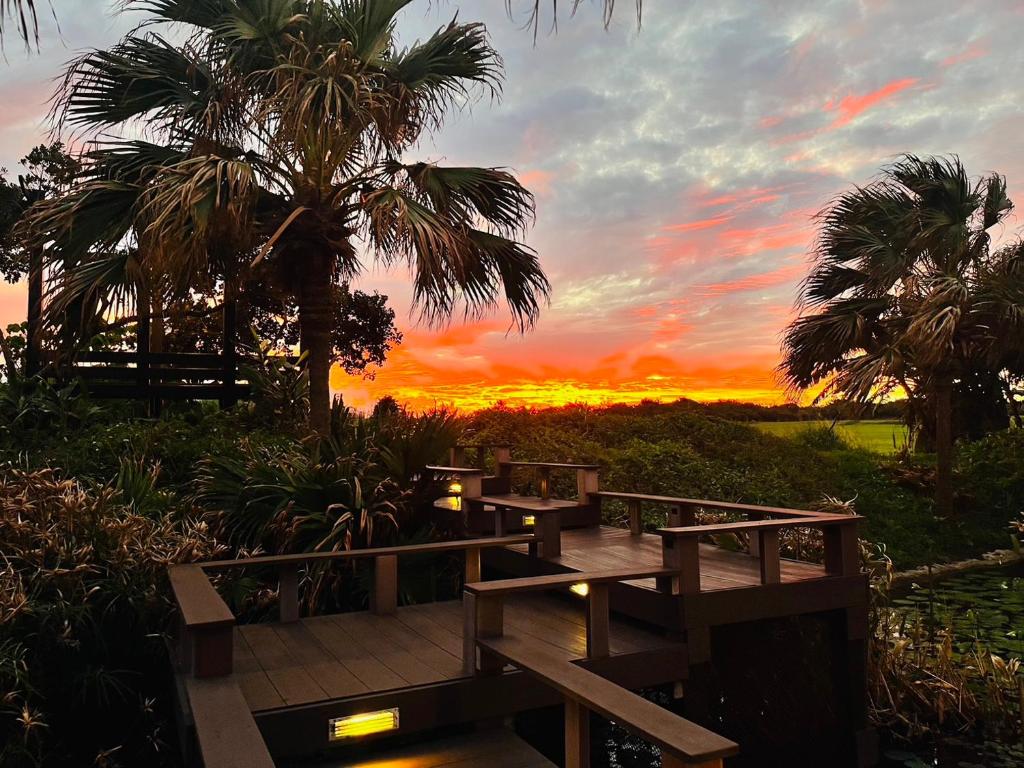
x=768 y=546
x=598 y=621
x=483 y=617
x=842 y=550
x=586 y=485
x=635 y=521
x=288 y=592
x=682 y=555
x=577 y=735
x=472 y=565
x=212 y=651
x=550 y=524
x=384 y=595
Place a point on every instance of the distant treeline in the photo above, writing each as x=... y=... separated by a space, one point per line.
x=734 y=410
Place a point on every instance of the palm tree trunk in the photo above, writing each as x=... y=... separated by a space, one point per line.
x=944 y=447
x=315 y=328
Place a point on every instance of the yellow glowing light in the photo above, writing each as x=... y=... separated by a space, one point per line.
x=580 y=589
x=363 y=724
x=455 y=488
x=529 y=521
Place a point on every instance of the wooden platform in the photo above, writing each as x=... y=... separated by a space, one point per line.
x=609 y=548
x=359 y=654
x=493 y=748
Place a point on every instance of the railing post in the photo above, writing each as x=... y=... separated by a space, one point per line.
x=502 y=455
x=545 y=482
x=682 y=554
x=472 y=486
x=288 y=592
x=753 y=540
x=472 y=564
x=768 y=546
x=577 y=735
x=635 y=520
x=212 y=651
x=384 y=597
x=482 y=617
x=550 y=523
x=842 y=555
x=587 y=482
x=682 y=516
x=598 y=619
x=457 y=456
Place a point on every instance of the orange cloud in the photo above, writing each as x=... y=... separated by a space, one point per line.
x=754 y=282
x=973 y=51
x=695 y=226
x=850 y=106
x=537 y=181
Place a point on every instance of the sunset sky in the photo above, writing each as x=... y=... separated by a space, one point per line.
x=676 y=170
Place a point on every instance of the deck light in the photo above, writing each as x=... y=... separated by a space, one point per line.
x=529 y=521
x=455 y=488
x=580 y=589
x=364 y=724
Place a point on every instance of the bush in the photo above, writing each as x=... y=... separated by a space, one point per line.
x=84 y=607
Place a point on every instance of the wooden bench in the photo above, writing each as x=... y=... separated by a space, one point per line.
x=584 y=692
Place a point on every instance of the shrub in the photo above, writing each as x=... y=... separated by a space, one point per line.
x=83 y=610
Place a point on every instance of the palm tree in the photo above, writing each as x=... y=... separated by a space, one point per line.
x=281 y=130
x=23 y=13
x=906 y=294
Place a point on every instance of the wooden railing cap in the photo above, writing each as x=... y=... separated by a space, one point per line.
x=815 y=521
x=454 y=470
x=200 y=605
x=484 y=542
x=548 y=465
x=556 y=580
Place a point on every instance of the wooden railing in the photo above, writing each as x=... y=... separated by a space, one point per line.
x=683 y=511
x=144 y=375
x=682 y=742
x=681 y=546
x=205 y=640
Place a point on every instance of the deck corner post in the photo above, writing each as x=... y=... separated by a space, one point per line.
x=577 y=735
x=457 y=456
x=768 y=547
x=212 y=651
x=598 y=620
x=545 y=482
x=502 y=455
x=483 y=617
x=288 y=592
x=586 y=484
x=473 y=569
x=682 y=554
x=551 y=534
x=384 y=594
x=842 y=555
x=636 y=526
x=472 y=486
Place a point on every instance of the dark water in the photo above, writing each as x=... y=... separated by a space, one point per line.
x=982 y=607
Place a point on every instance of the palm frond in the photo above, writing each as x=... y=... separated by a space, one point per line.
x=23 y=14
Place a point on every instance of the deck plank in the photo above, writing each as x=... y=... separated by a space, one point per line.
x=346 y=650
x=294 y=684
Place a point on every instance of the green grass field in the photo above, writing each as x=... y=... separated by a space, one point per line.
x=877 y=436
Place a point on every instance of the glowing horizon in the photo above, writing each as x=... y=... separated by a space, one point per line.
x=677 y=171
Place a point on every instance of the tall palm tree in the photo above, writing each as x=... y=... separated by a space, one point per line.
x=906 y=293
x=280 y=132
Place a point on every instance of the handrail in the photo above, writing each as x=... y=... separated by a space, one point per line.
x=549 y=465
x=205 y=639
x=682 y=510
x=585 y=692
x=681 y=546
x=483 y=605
x=483 y=631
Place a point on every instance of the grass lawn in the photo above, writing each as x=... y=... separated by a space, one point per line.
x=877 y=436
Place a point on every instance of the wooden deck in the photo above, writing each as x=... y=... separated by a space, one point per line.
x=349 y=655
x=520 y=640
x=609 y=548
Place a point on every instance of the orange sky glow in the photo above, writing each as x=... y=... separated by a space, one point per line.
x=677 y=171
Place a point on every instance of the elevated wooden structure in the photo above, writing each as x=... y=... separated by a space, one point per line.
x=581 y=615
